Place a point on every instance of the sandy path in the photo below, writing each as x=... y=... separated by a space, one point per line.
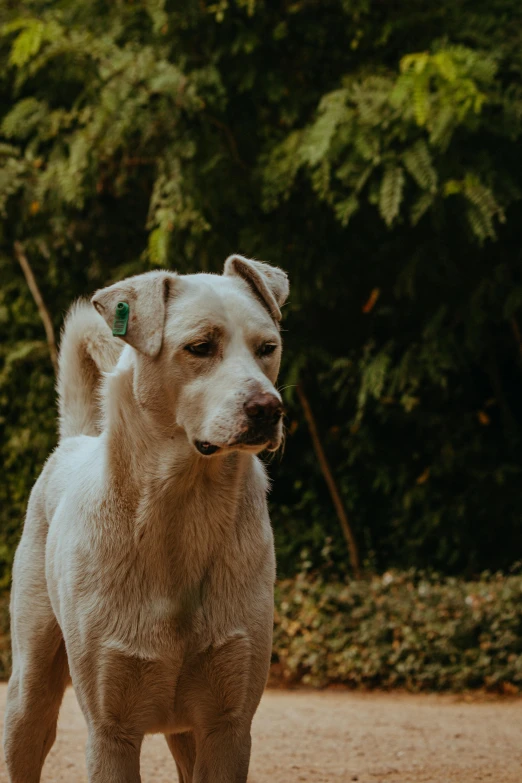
x=338 y=736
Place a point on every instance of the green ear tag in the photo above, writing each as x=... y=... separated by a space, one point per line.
x=121 y=319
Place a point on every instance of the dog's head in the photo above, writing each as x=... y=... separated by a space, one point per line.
x=207 y=350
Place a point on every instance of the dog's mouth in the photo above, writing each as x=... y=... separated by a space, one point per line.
x=205 y=448
x=243 y=443
x=252 y=440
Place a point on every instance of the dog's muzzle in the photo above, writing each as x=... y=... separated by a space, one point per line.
x=263 y=412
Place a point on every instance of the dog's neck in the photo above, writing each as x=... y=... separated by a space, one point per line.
x=179 y=513
x=144 y=457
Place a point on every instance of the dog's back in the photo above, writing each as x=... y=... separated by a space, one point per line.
x=87 y=350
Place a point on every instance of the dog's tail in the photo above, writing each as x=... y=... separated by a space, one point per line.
x=87 y=350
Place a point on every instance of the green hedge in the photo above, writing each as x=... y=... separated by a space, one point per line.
x=402 y=629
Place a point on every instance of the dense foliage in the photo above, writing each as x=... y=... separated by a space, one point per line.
x=371 y=149
x=400 y=630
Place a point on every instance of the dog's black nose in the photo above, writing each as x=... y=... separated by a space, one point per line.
x=263 y=408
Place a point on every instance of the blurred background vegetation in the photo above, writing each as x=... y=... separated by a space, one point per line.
x=371 y=149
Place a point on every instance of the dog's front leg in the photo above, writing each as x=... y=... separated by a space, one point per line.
x=227 y=696
x=109 y=696
x=183 y=749
x=223 y=755
x=113 y=756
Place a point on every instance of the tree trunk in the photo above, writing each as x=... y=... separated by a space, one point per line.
x=37 y=296
x=353 y=549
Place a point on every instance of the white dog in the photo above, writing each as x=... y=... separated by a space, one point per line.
x=146 y=565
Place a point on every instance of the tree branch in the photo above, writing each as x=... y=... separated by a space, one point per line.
x=230 y=139
x=516 y=333
x=42 y=309
x=353 y=549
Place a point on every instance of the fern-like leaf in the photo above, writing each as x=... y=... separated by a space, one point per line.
x=158 y=246
x=390 y=195
x=23 y=118
x=420 y=100
x=419 y=165
x=317 y=141
x=420 y=207
x=345 y=209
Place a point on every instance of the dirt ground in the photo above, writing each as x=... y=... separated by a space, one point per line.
x=337 y=736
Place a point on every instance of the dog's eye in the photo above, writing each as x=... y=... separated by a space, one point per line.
x=266 y=349
x=203 y=348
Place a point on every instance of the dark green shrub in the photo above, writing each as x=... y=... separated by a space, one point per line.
x=406 y=630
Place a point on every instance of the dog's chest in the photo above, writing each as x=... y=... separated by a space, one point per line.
x=150 y=608
x=155 y=630
x=175 y=574
x=131 y=608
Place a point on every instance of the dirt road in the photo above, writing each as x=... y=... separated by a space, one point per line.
x=337 y=736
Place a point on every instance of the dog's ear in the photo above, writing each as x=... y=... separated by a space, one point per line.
x=142 y=322
x=269 y=283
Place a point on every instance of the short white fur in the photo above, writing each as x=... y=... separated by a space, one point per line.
x=145 y=570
